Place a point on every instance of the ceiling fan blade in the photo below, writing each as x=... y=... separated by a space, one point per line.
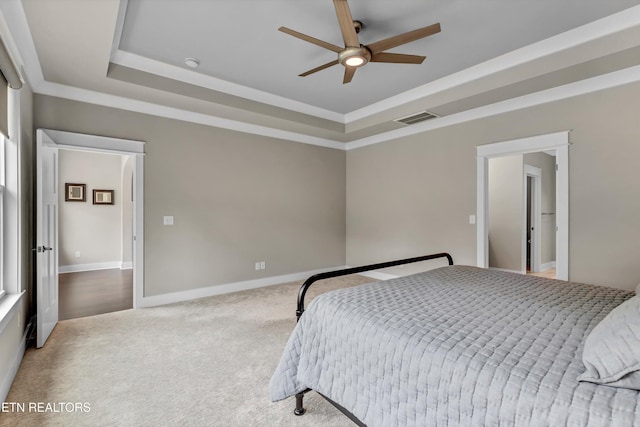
x=348 y=74
x=320 y=68
x=310 y=39
x=400 y=39
x=345 y=20
x=397 y=58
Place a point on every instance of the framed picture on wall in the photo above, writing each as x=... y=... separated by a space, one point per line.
x=103 y=197
x=75 y=192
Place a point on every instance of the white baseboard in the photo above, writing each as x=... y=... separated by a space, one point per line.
x=163 y=299
x=10 y=375
x=547 y=266
x=88 y=267
x=126 y=265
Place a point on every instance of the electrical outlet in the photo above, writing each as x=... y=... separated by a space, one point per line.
x=77 y=254
x=257 y=266
x=167 y=220
x=263 y=265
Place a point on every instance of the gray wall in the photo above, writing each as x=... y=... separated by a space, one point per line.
x=241 y=198
x=93 y=230
x=236 y=198
x=413 y=195
x=505 y=203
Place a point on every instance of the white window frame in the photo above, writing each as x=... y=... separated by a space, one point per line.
x=10 y=223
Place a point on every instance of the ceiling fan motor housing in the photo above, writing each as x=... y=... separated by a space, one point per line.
x=348 y=53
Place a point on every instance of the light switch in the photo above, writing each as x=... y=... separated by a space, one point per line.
x=168 y=220
x=472 y=219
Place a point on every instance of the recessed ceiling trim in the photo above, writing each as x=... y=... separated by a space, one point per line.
x=583 y=87
x=128 y=104
x=610 y=25
x=148 y=65
x=617 y=78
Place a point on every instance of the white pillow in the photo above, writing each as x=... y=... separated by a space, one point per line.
x=612 y=350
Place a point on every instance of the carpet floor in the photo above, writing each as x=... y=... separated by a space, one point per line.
x=205 y=362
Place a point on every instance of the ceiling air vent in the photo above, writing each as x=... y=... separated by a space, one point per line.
x=416 y=118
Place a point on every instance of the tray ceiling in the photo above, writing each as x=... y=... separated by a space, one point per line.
x=111 y=51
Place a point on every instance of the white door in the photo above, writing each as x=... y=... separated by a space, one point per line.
x=47 y=239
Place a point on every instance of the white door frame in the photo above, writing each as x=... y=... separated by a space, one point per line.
x=559 y=142
x=536 y=215
x=102 y=144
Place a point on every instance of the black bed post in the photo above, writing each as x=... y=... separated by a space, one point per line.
x=299 y=403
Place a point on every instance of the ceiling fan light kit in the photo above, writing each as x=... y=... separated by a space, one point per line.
x=354 y=54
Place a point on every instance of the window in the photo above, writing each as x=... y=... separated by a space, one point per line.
x=11 y=284
x=9 y=203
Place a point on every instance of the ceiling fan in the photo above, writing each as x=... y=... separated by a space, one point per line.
x=354 y=54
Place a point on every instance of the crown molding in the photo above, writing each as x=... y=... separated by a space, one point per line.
x=607 y=81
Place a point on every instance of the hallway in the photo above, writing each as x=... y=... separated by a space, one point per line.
x=88 y=293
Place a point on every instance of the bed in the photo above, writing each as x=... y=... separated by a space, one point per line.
x=465 y=346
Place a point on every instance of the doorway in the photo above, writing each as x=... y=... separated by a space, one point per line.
x=94 y=232
x=48 y=144
x=557 y=144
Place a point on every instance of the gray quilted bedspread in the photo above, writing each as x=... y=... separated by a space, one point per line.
x=456 y=346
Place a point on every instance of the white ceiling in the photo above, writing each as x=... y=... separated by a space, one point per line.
x=130 y=54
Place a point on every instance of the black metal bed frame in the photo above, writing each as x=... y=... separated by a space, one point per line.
x=299 y=410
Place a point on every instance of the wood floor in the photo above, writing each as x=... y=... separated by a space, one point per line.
x=550 y=273
x=88 y=293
